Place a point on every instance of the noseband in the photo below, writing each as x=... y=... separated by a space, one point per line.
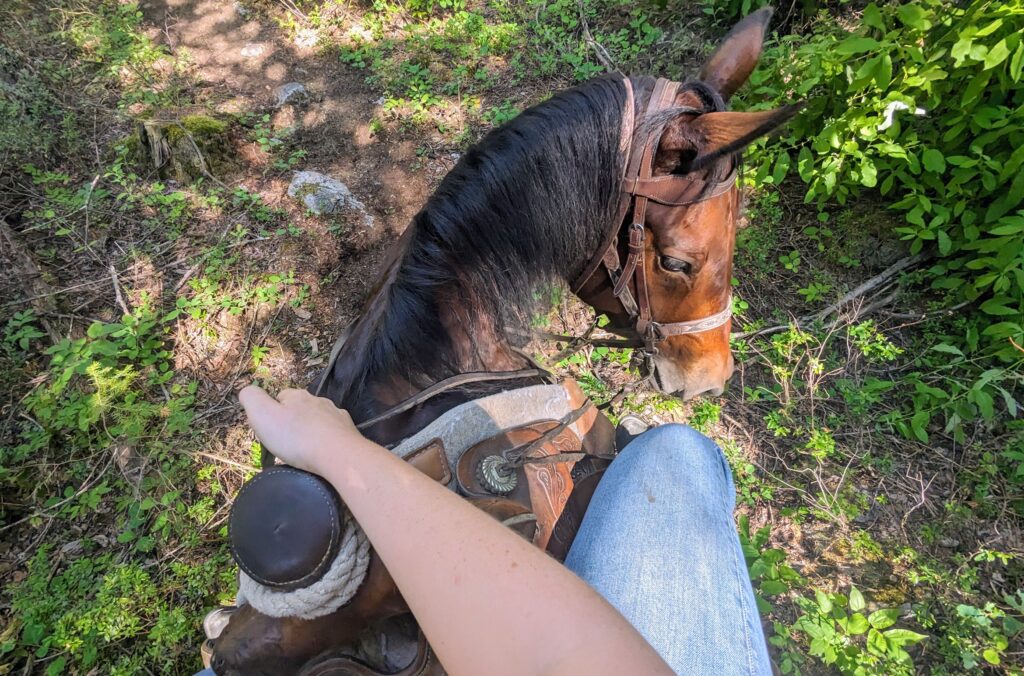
x=639 y=187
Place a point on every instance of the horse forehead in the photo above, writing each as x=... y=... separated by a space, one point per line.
x=704 y=224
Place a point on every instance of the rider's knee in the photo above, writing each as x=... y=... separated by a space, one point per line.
x=679 y=454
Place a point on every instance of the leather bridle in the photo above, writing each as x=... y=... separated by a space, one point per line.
x=638 y=188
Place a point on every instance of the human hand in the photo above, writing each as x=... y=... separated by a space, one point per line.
x=303 y=430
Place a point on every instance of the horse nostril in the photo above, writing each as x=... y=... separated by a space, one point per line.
x=217 y=664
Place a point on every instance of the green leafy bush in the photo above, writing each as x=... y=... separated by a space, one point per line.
x=921 y=104
x=769 y=572
x=840 y=634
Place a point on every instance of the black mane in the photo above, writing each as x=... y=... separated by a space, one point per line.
x=523 y=209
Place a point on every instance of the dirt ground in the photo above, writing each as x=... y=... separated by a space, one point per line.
x=237 y=70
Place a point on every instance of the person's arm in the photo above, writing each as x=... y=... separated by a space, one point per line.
x=488 y=601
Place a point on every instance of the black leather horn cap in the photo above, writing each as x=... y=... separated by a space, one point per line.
x=285 y=528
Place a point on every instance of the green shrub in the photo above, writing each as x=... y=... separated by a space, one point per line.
x=921 y=105
x=840 y=634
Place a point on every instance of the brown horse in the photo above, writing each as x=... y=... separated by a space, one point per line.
x=622 y=188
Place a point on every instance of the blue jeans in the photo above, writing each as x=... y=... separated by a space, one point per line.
x=659 y=543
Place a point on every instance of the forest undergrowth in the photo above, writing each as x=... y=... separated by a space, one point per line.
x=873 y=425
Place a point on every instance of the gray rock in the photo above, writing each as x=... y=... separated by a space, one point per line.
x=242 y=10
x=252 y=50
x=306 y=38
x=72 y=548
x=325 y=195
x=290 y=92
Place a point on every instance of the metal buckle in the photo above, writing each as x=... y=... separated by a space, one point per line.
x=651 y=339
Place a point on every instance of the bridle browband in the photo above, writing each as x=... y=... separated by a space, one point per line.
x=638 y=188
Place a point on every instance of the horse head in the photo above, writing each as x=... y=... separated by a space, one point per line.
x=681 y=205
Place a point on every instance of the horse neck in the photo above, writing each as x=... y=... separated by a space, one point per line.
x=476 y=343
x=477 y=351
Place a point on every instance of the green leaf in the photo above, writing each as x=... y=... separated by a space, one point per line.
x=902 y=637
x=985 y=403
x=805 y=163
x=857 y=45
x=914 y=17
x=974 y=88
x=57 y=666
x=933 y=161
x=991 y=656
x=991 y=28
x=872 y=17
x=782 y=164
x=996 y=55
x=857 y=624
x=884 y=618
x=856 y=599
x=947 y=348
x=918 y=424
x=773 y=587
x=945 y=243
x=997 y=306
x=824 y=602
x=1011 y=403
x=961 y=49
x=877 y=643
x=883 y=72
x=1017 y=62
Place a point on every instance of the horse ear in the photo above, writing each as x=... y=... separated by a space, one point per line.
x=689 y=143
x=735 y=58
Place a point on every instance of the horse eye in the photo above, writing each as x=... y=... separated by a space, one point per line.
x=676 y=265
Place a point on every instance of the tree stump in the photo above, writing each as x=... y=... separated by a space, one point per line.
x=185 y=148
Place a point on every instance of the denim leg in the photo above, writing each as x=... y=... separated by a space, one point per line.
x=659 y=542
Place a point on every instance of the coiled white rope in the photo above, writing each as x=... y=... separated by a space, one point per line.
x=338 y=585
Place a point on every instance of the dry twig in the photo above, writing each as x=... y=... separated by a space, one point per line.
x=878 y=281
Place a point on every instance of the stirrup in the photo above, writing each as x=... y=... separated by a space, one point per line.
x=629 y=428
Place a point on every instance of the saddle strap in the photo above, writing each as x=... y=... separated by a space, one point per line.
x=450 y=384
x=424 y=664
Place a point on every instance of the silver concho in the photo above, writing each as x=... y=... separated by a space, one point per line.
x=496 y=476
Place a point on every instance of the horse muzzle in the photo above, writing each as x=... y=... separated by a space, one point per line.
x=693 y=382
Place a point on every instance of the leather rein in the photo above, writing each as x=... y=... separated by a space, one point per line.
x=639 y=187
x=440 y=387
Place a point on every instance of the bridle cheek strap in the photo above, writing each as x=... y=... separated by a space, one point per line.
x=639 y=187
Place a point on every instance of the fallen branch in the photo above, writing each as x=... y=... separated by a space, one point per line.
x=599 y=51
x=575 y=344
x=117 y=291
x=31 y=276
x=925 y=314
x=879 y=280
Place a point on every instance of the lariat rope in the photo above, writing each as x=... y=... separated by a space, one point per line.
x=336 y=588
